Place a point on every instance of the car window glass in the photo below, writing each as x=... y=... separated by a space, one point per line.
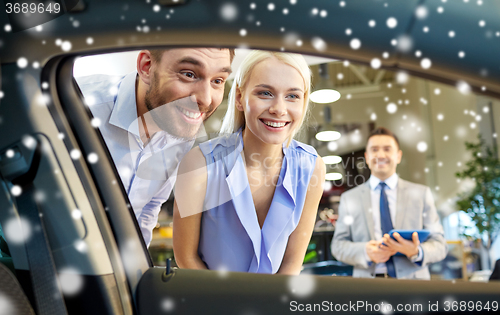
x=433 y=122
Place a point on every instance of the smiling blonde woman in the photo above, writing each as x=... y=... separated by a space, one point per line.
x=247 y=200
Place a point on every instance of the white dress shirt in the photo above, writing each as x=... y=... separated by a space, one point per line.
x=148 y=171
x=391 y=192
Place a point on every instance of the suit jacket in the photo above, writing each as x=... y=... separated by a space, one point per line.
x=415 y=209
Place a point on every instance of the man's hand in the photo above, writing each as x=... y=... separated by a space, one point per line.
x=406 y=247
x=377 y=252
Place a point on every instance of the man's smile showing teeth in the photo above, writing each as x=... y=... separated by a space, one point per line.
x=189 y=114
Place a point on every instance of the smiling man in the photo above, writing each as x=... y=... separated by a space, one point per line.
x=385 y=202
x=150 y=118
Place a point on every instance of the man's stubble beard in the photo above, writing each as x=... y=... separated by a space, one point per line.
x=166 y=115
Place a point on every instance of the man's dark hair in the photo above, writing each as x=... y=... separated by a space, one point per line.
x=156 y=54
x=381 y=131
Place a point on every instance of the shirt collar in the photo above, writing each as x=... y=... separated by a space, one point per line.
x=124 y=112
x=391 y=182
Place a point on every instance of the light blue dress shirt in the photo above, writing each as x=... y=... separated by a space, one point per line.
x=148 y=172
x=231 y=238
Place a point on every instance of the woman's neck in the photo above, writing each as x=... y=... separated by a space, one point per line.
x=259 y=154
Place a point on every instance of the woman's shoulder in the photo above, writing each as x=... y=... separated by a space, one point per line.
x=194 y=159
x=221 y=143
x=307 y=159
x=302 y=148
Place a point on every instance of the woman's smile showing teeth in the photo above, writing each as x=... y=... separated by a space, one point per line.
x=274 y=124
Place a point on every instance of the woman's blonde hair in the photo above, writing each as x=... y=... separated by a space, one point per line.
x=235 y=119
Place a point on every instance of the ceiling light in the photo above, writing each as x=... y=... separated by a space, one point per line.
x=328 y=135
x=325 y=96
x=332 y=159
x=333 y=176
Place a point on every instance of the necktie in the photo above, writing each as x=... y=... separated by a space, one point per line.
x=386 y=224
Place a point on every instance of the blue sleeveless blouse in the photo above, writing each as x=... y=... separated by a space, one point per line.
x=230 y=236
